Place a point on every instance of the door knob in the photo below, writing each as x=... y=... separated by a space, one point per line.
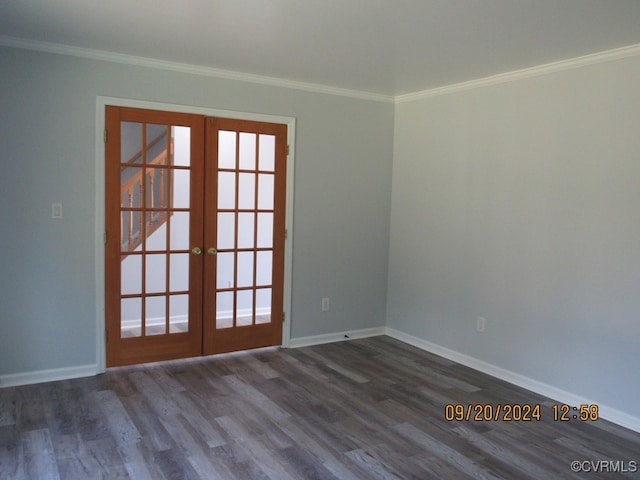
x=196 y=251
x=212 y=251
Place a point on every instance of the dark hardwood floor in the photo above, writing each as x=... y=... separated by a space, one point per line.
x=362 y=409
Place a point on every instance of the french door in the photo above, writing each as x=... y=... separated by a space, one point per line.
x=195 y=232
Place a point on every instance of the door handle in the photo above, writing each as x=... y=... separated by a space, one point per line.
x=196 y=251
x=212 y=251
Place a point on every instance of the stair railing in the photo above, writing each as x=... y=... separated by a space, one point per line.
x=133 y=227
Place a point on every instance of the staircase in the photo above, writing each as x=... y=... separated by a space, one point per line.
x=145 y=199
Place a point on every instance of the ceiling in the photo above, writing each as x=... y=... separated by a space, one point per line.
x=386 y=47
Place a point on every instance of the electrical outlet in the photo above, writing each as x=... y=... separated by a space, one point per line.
x=325 y=304
x=480 y=324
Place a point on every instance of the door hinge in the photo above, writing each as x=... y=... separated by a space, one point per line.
x=286 y=233
x=104 y=237
x=105 y=135
x=106 y=336
x=287 y=149
x=283 y=317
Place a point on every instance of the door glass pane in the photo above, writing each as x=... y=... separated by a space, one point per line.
x=226 y=230
x=131 y=187
x=265 y=191
x=246 y=225
x=156 y=188
x=226 y=190
x=245 y=269
x=264 y=266
x=225 y=270
x=263 y=305
x=244 y=308
x=265 y=230
x=156 y=231
x=156 y=144
x=224 y=309
x=131 y=274
x=181 y=188
x=247 y=151
x=131 y=234
x=227 y=149
x=181 y=146
x=125 y=229
x=179 y=223
x=267 y=155
x=131 y=142
x=179 y=272
x=156 y=273
x=247 y=196
x=155 y=316
x=178 y=313
x=130 y=317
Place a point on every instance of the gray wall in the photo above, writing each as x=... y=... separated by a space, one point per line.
x=344 y=150
x=520 y=203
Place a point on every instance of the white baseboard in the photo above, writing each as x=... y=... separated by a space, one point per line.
x=243 y=312
x=335 y=337
x=41 y=376
x=153 y=321
x=562 y=396
x=179 y=319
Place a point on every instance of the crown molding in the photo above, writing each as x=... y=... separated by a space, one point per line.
x=106 y=56
x=577 y=62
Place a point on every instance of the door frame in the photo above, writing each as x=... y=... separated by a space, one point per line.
x=100 y=202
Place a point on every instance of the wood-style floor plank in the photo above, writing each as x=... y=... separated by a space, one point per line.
x=362 y=409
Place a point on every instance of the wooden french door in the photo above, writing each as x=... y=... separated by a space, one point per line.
x=195 y=232
x=244 y=234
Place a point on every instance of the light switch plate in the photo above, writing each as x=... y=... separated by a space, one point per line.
x=56 y=210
